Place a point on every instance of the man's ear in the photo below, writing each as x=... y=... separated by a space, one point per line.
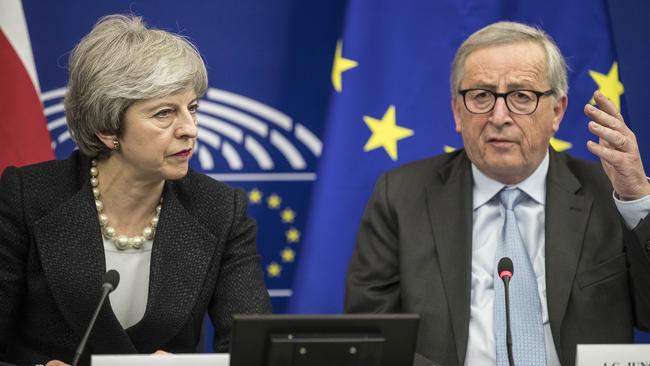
x=107 y=139
x=455 y=109
x=558 y=111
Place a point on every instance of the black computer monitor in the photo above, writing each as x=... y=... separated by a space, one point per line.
x=319 y=340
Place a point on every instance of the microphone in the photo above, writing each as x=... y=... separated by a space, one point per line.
x=505 y=270
x=109 y=284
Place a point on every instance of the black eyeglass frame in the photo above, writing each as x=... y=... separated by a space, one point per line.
x=496 y=95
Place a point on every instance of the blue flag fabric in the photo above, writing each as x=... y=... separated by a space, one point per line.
x=391 y=105
x=630 y=27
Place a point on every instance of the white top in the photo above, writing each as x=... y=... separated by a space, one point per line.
x=129 y=300
x=488 y=219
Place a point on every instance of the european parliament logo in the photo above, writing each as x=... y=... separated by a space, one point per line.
x=252 y=146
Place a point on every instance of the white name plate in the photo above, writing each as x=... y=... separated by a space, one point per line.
x=205 y=359
x=613 y=355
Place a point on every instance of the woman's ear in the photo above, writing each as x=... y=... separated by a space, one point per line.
x=109 y=140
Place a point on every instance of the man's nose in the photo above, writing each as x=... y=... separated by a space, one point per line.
x=500 y=113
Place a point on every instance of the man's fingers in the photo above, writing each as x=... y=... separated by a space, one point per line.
x=606 y=105
x=614 y=139
x=605 y=119
x=609 y=155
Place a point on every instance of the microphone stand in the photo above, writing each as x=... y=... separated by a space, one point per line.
x=110 y=281
x=506 y=282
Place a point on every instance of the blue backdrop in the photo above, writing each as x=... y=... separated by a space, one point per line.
x=299 y=88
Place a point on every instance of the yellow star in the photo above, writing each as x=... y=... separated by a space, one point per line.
x=385 y=133
x=288 y=215
x=293 y=235
x=449 y=149
x=340 y=65
x=288 y=255
x=274 y=201
x=255 y=196
x=609 y=85
x=560 y=145
x=273 y=269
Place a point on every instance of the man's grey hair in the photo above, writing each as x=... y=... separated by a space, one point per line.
x=119 y=62
x=505 y=33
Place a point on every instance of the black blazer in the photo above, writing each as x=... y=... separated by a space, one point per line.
x=52 y=261
x=414 y=254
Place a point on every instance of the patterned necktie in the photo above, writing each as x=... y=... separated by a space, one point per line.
x=526 y=324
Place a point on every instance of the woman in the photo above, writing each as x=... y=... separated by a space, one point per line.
x=126 y=200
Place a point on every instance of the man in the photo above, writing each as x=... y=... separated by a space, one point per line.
x=434 y=230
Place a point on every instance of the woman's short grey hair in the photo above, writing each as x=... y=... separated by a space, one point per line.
x=503 y=33
x=119 y=62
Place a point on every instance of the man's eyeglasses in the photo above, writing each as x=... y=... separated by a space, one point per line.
x=521 y=101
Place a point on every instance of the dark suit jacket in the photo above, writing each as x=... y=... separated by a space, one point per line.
x=414 y=254
x=52 y=261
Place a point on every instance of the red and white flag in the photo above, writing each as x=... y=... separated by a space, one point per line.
x=24 y=138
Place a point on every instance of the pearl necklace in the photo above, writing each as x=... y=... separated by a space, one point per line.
x=121 y=242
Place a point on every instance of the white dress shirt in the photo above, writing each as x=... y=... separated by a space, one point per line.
x=488 y=219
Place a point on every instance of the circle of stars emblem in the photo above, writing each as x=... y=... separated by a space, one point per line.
x=292 y=236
